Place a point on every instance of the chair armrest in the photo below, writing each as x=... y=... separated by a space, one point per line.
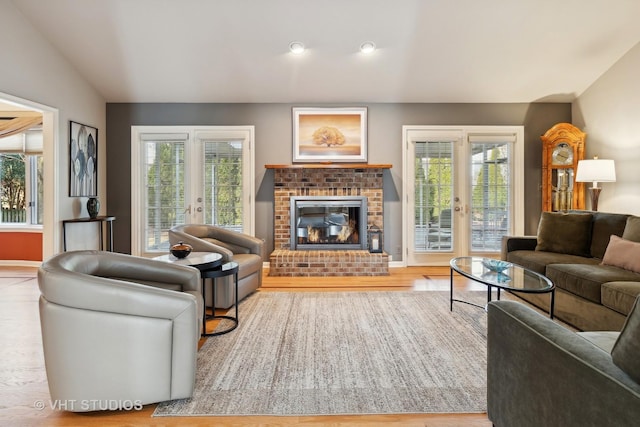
x=253 y=244
x=542 y=374
x=198 y=244
x=121 y=266
x=210 y=238
x=76 y=280
x=517 y=243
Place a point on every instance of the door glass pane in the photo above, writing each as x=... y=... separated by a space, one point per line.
x=433 y=196
x=164 y=194
x=223 y=184
x=490 y=195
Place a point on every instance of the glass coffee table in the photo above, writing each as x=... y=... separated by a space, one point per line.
x=513 y=278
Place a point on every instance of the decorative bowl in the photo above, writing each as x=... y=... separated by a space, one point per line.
x=496 y=265
x=181 y=250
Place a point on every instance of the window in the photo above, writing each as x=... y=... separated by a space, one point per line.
x=223 y=184
x=490 y=191
x=21 y=173
x=164 y=189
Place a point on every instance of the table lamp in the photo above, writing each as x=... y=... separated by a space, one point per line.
x=596 y=170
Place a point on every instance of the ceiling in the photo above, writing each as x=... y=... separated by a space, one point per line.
x=428 y=50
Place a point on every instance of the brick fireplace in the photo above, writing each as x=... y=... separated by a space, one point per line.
x=325 y=181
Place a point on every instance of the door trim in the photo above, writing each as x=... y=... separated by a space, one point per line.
x=51 y=233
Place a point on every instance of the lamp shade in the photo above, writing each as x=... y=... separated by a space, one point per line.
x=596 y=170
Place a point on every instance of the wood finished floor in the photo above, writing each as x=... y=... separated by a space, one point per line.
x=23 y=384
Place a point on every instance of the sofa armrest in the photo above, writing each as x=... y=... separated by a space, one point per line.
x=517 y=243
x=541 y=374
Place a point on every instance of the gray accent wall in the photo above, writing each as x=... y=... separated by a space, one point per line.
x=608 y=113
x=274 y=146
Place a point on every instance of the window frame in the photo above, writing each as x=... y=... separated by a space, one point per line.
x=31 y=195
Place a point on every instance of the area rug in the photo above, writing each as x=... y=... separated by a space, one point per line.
x=321 y=353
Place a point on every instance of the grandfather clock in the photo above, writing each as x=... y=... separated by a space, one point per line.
x=562 y=148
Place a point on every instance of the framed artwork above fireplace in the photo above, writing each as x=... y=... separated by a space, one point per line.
x=329 y=134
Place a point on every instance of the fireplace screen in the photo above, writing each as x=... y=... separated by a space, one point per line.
x=328 y=222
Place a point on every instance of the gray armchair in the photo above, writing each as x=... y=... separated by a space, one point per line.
x=542 y=374
x=242 y=248
x=117 y=330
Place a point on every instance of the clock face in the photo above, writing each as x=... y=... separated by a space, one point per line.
x=562 y=154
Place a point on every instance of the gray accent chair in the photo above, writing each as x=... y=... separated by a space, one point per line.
x=246 y=250
x=117 y=330
x=542 y=374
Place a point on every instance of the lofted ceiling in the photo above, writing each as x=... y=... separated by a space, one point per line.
x=428 y=50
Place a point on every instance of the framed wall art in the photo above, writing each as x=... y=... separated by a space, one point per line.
x=330 y=134
x=83 y=160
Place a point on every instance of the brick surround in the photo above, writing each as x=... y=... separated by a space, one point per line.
x=330 y=180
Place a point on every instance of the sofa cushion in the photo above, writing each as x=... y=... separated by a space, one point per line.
x=623 y=253
x=620 y=296
x=604 y=226
x=632 y=229
x=538 y=260
x=585 y=280
x=627 y=347
x=566 y=233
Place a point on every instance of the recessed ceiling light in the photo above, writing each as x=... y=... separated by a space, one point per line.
x=367 y=47
x=296 y=47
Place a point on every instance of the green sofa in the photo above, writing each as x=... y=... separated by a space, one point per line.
x=542 y=374
x=569 y=249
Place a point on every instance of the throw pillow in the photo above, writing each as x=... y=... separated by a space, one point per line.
x=632 y=229
x=565 y=233
x=622 y=253
x=627 y=347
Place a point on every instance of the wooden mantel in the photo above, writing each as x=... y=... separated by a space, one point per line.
x=330 y=166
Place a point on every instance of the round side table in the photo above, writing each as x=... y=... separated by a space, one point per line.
x=222 y=271
x=203 y=261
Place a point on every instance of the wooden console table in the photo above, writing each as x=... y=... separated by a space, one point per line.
x=101 y=219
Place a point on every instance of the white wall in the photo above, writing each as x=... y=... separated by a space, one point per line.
x=34 y=71
x=609 y=112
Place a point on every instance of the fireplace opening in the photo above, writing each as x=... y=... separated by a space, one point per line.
x=327 y=222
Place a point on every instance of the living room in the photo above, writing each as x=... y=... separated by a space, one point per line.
x=603 y=105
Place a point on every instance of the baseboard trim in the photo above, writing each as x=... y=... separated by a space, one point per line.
x=19 y=263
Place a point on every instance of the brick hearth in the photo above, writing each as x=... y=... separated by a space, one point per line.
x=326 y=180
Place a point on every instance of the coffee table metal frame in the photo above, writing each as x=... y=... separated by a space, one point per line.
x=515 y=278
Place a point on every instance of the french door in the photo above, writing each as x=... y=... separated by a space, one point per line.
x=463 y=191
x=185 y=175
